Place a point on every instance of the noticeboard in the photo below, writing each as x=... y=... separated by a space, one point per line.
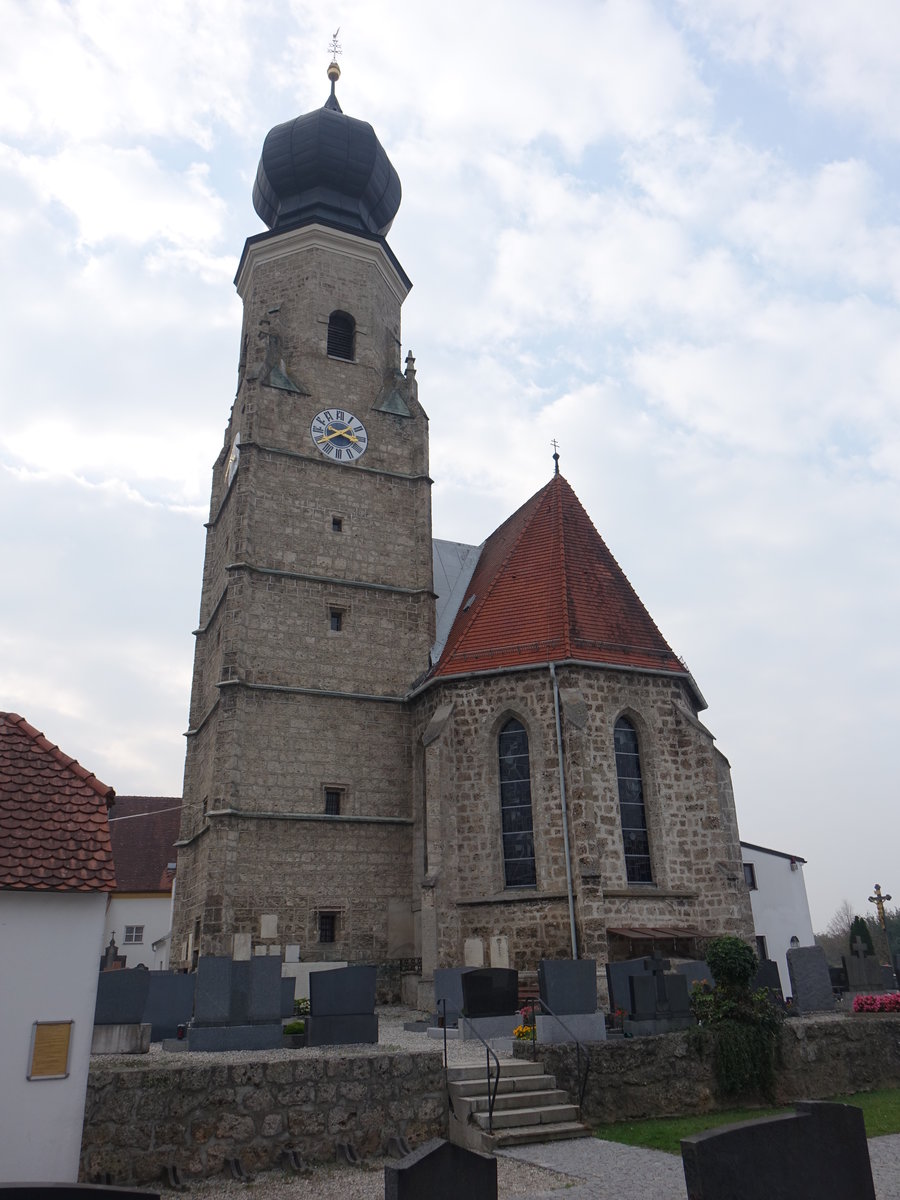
x=49 y=1058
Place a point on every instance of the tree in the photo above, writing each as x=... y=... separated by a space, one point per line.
x=859 y=928
x=834 y=938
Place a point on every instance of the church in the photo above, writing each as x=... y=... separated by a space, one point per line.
x=405 y=751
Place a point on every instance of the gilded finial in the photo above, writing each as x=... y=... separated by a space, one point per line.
x=334 y=49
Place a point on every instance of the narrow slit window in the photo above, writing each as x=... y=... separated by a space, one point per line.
x=631 y=804
x=341 y=336
x=336 y=620
x=327 y=927
x=515 y=806
x=333 y=802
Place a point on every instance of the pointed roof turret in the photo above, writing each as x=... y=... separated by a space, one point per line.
x=547 y=589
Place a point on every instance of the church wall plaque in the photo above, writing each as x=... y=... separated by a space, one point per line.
x=49 y=1057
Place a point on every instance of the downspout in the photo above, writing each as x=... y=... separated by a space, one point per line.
x=565 y=811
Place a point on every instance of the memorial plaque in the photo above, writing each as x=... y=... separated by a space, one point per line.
x=50 y=1049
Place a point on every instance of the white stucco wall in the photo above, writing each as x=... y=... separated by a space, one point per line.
x=50 y=946
x=779 y=904
x=154 y=912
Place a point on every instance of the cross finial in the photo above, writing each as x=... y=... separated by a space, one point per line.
x=334 y=71
x=334 y=46
x=555 y=444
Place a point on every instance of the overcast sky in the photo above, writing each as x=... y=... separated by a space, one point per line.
x=665 y=234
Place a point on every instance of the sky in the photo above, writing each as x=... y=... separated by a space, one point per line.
x=665 y=234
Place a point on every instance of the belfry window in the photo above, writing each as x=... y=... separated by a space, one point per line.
x=515 y=806
x=631 y=804
x=341 y=335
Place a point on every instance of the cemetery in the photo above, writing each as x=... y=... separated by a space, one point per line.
x=217 y=1091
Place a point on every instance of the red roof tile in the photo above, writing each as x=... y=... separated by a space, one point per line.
x=54 y=831
x=143 y=831
x=547 y=589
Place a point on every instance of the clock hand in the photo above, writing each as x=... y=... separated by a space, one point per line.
x=338 y=433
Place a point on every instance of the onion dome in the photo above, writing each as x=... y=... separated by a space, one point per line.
x=326 y=167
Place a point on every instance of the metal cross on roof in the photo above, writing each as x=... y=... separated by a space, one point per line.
x=334 y=46
x=555 y=444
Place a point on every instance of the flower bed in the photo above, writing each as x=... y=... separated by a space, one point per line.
x=888 y=1003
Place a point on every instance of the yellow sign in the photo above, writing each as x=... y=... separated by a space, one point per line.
x=50 y=1049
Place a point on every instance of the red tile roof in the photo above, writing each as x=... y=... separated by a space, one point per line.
x=143 y=831
x=546 y=589
x=54 y=832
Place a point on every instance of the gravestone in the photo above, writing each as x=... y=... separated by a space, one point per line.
x=440 y=1170
x=121 y=997
x=888 y=978
x=448 y=987
x=287 y=997
x=569 y=989
x=618 y=978
x=237 y=1005
x=767 y=977
x=342 y=1007
x=170 y=1003
x=863 y=969
x=659 y=1000
x=810 y=981
x=490 y=1003
x=819 y=1150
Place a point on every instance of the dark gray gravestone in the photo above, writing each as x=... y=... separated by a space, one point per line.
x=767 y=977
x=346 y=991
x=490 y=992
x=888 y=978
x=287 y=996
x=121 y=997
x=863 y=969
x=441 y=1171
x=72 y=1191
x=264 y=997
x=618 y=976
x=212 y=999
x=239 y=1003
x=170 y=1003
x=568 y=985
x=820 y=1150
x=696 y=971
x=810 y=981
x=448 y=987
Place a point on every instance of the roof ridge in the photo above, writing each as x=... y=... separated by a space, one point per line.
x=65 y=760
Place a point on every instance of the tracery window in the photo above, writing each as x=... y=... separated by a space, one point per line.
x=515 y=806
x=631 y=803
x=341 y=335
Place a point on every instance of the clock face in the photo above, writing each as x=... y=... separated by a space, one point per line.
x=339 y=435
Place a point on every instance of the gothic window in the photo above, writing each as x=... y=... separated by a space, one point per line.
x=631 y=804
x=341 y=335
x=515 y=806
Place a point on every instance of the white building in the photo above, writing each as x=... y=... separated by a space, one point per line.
x=780 y=908
x=56 y=869
x=139 y=916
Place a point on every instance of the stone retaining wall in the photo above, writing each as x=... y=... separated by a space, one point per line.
x=140 y=1118
x=666 y=1076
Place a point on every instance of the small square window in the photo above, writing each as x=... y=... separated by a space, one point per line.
x=333 y=802
x=134 y=935
x=337 y=525
x=750 y=876
x=327 y=926
x=336 y=617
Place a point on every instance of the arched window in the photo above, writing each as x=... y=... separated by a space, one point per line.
x=515 y=806
x=631 y=804
x=341 y=330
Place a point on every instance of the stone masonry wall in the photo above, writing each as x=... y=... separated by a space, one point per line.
x=139 y=1119
x=667 y=1076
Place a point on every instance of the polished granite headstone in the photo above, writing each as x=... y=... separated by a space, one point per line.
x=121 y=996
x=342 y=1007
x=820 y=1150
x=440 y=1170
x=448 y=987
x=767 y=977
x=810 y=981
x=490 y=1003
x=170 y=1003
x=568 y=985
x=237 y=1005
x=618 y=977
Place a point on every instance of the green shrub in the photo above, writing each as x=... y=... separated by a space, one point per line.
x=294 y=1027
x=859 y=928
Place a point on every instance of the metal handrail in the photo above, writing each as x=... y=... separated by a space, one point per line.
x=489 y=1053
x=579 y=1046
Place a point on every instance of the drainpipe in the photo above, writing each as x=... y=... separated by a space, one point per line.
x=565 y=811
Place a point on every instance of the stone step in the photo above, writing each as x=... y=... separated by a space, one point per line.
x=508 y=1070
x=530 y=1134
x=482 y=1087
x=513 y=1100
x=515 y=1118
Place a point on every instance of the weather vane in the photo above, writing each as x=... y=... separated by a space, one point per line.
x=555 y=444
x=334 y=47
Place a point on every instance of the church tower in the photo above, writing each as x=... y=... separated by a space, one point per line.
x=317 y=611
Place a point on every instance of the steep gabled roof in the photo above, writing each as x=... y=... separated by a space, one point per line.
x=547 y=589
x=143 y=831
x=54 y=831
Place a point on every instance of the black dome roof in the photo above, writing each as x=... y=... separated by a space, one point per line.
x=328 y=167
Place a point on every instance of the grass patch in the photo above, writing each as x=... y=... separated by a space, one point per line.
x=881 y=1111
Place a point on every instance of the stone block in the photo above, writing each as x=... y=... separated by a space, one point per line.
x=582 y=1027
x=473 y=952
x=345 y=1030
x=120 y=1039
x=568 y=985
x=242 y=947
x=442 y=1171
x=488 y=1027
x=499 y=948
x=234 y=1037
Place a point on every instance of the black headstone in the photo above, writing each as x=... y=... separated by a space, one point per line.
x=820 y=1150
x=441 y=1171
x=170 y=1003
x=343 y=992
x=121 y=997
x=767 y=977
x=810 y=981
x=490 y=992
x=568 y=985
x=264 y=998
x=618 y=976
x=287 y=996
